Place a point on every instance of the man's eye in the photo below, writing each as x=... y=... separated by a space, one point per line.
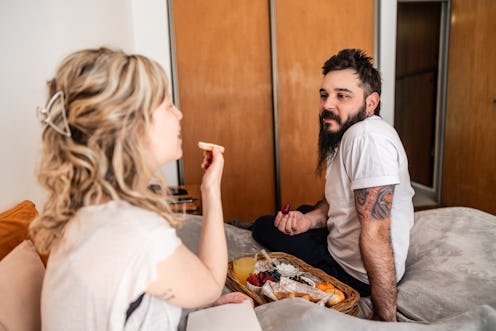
x=342 y=96
x=323 y=96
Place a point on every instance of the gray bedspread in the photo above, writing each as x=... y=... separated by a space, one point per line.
x=449 y=283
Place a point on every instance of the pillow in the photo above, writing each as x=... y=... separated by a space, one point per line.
x=14 y=226
x=21 y=278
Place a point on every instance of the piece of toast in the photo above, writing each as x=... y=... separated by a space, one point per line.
x=210 y=147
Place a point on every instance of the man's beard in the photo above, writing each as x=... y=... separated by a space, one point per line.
x=329 y=141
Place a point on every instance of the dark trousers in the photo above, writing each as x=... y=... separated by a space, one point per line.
x=310 y=246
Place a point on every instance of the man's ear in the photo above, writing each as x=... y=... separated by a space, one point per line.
x=371 y=102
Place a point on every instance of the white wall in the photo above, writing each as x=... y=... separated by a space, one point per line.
x=387 y=56
x=34 y=36
x=151 y=31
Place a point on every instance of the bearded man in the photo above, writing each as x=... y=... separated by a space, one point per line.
x=360 y=232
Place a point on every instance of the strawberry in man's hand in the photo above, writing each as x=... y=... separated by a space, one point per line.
x=285 y=209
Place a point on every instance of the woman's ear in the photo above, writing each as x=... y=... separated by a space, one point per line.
x=371 y=102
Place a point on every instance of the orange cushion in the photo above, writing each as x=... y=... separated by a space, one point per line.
x=14 y=226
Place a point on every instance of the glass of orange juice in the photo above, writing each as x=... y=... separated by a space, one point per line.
x=243 y=267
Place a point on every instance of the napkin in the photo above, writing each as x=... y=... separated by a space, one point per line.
x=228 y=317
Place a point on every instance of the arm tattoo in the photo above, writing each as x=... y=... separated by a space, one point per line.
x=374 y=202
x=382 y=204
x=167 y=295
x=361 y=196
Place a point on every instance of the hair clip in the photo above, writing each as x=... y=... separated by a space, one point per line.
x=44 y=114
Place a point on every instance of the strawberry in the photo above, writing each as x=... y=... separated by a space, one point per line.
x=267 y=278
x=286 y=208
x=253 y=280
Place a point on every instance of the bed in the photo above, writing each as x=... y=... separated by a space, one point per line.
x=449 y=283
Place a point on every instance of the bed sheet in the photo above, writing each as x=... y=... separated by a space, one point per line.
x=449 y=283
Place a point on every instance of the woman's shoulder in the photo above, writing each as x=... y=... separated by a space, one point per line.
x=123 y=214
x=127 y=225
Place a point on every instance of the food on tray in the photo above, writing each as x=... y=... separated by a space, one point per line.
x=268 y=282
x=303 y=280
x=254 y=280
x=288 y=288
x=262 y=277
x=285 y=209
x=284 y=295
x=325 y=286
x=287 y=269
x=337 y=297
x=210 y=147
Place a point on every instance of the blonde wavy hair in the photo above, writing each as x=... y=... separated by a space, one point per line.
x=109 y=98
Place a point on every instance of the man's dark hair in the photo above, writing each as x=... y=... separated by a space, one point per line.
x=357 y=60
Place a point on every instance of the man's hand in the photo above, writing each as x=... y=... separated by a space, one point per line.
x=292 y=223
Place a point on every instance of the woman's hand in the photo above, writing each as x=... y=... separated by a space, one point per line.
x=233 y=297
x=213 y=164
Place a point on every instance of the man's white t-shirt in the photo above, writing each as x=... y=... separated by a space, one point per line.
x=106 y=258
x=370 y=154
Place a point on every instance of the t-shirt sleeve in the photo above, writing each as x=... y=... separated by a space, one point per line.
x=160 y=243
x=371 y=160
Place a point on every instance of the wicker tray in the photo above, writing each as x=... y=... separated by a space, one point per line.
x=348 y=306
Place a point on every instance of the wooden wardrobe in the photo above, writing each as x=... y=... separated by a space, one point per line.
x=469 y=176
x=251 y=84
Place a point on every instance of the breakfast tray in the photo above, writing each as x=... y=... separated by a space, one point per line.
x=348 y=306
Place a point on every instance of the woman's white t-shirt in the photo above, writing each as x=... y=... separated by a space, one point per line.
x=106 y=258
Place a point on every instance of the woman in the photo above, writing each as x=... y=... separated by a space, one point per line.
x=115 y=260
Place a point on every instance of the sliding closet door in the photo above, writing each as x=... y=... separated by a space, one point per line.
x=224 y=83
x=308 y=33
x=469 y=178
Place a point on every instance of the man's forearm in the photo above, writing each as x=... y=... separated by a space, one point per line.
x=318 y=215
x=379 y=262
